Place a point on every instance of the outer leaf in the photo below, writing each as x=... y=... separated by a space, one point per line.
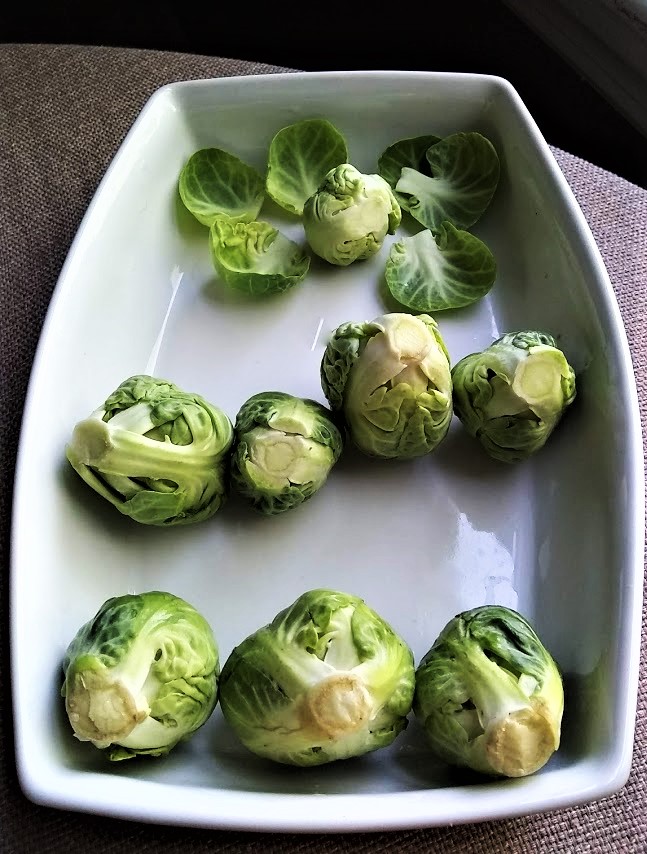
x=465 y=173
x=408 y=152
x=300 y=156
x=214 y=182
x=255 y=257
x=450 y=270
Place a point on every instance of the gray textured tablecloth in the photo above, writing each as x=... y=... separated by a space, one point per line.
x=63 y=113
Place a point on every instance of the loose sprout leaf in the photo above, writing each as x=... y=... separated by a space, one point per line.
x=300 y=157
x=427 y=273
x=408 y=152
x=214 y=182
x=255 y=257
x=464 y=176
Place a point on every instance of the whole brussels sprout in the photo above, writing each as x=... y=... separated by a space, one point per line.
x=349 y=216
x=512 y=395
x=327 y=679
x=155 y=452
x=141 y=676
x=489 y=695
x=391 y=380
x=285 y=449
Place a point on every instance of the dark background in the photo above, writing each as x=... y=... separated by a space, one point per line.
x=482 y=36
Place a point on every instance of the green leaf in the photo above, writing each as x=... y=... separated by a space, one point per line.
x=255 y=257
x=428 y=274
x=300 y=157
x=464 y=176
x=214 y=182
x=408 y=152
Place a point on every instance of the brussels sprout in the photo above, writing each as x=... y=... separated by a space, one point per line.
x=489 y=695
x=464 y=176
x=141 y=676
x=451 y=270
x=391 y=380
x=155 y=452
x=349 y=216
x=327 y=679
x=299 y=158
x=409 y=152
x=214 y=182
x=513 y=394
x=285 y=448
x=255 y=257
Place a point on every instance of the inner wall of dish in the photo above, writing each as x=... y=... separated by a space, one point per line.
x=419 y=541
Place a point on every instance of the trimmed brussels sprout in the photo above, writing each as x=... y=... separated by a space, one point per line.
x=349 y=216
x=464 y=176
x=141 y=676
x=391 y=380
x=255 y=257
x=285 y=449
x=489 y=695
x=451 y=270
x=299 y=158
x=512 y=395
x=327 y=679
x=214 y=182
x=409 y=152
x=155 y=452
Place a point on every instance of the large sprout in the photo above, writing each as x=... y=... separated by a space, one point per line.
x=327 y=679
x=390 y=379
x=155 y=452
x=512 y=395
x=141 y=676
x=489 y=695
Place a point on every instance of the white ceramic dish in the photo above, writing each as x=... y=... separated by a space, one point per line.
x=560 y=537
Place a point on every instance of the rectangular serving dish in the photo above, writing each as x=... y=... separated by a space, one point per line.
x=559 y=537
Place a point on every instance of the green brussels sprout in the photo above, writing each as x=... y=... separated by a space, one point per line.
x=255 y=257
x=512 y=395
x=489 y=695
x=141 y=676
x=155 y=452
x=327 y=679
x=214 y=182
x=349 y=216
x=299 y=158
x=285 y=449
x=391 y=380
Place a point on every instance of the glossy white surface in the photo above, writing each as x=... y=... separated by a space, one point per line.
x=559 y=537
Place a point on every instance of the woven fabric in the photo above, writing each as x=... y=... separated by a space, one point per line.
x=63 y=113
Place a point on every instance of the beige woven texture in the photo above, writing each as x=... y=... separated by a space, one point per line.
x=63 y=113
